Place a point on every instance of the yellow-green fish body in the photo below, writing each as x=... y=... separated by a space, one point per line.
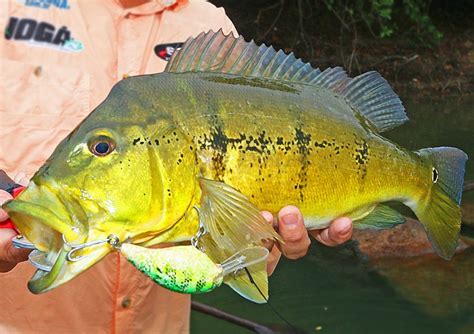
x=281 y=143
x=227 y=130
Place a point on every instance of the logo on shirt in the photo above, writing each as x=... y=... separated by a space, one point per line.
x=165 y=51
x=42 y=34
x=45 y=4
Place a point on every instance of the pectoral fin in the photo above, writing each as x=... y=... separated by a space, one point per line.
x=230 y=218
x=233 y=224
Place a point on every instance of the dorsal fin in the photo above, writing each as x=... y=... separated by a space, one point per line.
x=368 y=93
x=218 y=53
x=372 y=96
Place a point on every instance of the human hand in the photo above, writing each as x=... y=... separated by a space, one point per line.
x=291 y=228
x=9 y=255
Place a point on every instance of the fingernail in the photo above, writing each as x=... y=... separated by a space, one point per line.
x=290 y=219
x=345 y=229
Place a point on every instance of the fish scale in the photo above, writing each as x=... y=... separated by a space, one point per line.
x=300 y=155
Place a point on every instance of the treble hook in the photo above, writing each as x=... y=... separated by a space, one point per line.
x=201 y=230
x=113 y=240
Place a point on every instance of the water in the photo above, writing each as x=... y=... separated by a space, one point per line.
x=335 y=290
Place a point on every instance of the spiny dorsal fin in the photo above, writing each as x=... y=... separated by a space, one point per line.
x=369 y=93
x=216 y=52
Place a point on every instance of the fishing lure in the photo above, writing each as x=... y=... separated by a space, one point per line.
x=186 y=269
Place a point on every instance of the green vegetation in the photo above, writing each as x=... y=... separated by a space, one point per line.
x=386 y=18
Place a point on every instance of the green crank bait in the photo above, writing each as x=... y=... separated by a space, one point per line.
x=185 y=269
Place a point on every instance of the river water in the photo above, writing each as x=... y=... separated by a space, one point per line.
x=336 y=290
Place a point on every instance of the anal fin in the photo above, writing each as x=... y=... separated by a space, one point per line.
x=381 y=217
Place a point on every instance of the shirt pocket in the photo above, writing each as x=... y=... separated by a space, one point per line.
x=39 y=106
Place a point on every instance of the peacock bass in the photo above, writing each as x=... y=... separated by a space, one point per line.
x=229 y=129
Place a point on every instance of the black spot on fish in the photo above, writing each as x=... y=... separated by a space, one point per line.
x=135 y=141
x=322 y=144
x=303 y=143
x=218 y=143
x=157 y=142
x=361 y=155
x=219 y=140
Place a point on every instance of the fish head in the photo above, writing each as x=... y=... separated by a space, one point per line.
x=120 y=174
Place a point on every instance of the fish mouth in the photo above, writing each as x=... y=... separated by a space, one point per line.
x=42 y=217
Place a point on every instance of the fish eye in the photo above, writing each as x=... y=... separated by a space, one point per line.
x=102 y=146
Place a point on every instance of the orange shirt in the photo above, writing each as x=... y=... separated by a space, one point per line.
x=59 y=59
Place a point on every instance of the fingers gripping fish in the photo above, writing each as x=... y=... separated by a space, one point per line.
x=226 y=124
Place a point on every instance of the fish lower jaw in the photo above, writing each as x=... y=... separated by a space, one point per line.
x=59 y=266
x=60 y=261
x=48 y=272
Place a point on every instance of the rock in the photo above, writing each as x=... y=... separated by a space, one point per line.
x=439 y=287
x=406 y=240
x=405 y=258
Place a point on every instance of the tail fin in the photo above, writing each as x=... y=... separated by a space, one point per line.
x=440 y=211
